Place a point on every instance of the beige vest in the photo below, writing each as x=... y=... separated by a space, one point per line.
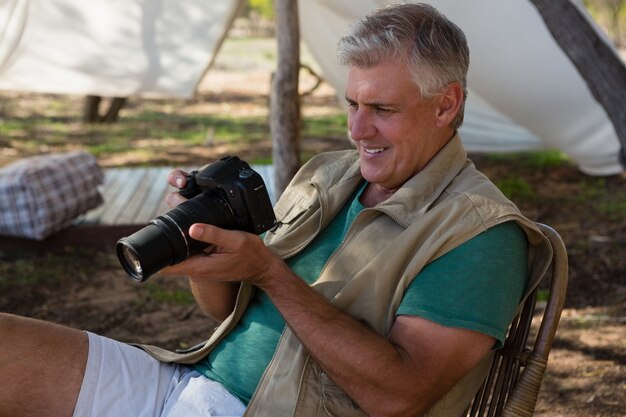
x=443 y=206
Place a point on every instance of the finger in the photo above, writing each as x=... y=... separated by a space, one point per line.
x=222 y=238
x=177 y=178
x=189 y=267
x=174 y=199
x=197 y=264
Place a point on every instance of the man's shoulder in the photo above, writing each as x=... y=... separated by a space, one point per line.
x=472 y=184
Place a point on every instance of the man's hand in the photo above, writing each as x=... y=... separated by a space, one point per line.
x=176 y=178
x=233 y=256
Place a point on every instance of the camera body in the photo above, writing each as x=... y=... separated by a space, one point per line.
x=242 y=189
x=226 y=193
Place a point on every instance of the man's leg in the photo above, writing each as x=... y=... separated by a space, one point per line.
x=41 y=367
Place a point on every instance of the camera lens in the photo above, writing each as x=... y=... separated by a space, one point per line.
x=132 y=261
x=165 y=240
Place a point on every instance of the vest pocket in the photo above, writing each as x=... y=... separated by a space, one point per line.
x=333 y=400
x=288 y=211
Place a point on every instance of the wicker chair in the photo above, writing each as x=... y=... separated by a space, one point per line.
x=512 y=385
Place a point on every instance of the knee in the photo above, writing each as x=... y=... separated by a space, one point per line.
x=12 y=328
x=8 y=323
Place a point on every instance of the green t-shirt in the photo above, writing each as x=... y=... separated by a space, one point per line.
x=472 y=273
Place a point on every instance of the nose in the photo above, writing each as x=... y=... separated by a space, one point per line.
x=360 y=124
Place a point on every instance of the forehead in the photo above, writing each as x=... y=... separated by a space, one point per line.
x=389 y=79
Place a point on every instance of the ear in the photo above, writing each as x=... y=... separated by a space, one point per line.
x=449 y=104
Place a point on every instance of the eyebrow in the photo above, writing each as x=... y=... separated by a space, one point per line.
x=371 y=104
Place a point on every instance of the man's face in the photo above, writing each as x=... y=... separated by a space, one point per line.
x=393 y=128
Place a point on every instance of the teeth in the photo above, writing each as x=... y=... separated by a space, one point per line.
x=373 y=150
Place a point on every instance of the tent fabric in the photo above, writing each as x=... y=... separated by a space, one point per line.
x=110 y=48
x=524 y=93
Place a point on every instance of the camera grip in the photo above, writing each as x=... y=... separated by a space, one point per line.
x=191 y=188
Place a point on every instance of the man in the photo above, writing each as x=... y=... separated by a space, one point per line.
x=392 y=274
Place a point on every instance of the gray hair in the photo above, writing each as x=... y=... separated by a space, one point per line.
x=434 y=48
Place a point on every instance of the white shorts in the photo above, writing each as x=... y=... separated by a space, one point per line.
x=121 y=380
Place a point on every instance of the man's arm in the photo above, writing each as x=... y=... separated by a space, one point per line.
x=217 y=300
x=402 y=375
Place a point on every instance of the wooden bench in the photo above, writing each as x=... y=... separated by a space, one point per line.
x=132 y=197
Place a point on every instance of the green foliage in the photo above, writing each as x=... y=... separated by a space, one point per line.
x=265 y=8
x=610 y=15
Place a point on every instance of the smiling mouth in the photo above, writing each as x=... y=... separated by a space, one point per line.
x=373 y=151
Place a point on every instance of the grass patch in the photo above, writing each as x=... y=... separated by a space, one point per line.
x=146 y=131
x=325 y=126
x=533 y=159
x=614 y=209
x=595 y=191
x=261 y=161
x=543 y=294
x=48 y=268
x=178 y=296
x=591 y=189
x=516 y=188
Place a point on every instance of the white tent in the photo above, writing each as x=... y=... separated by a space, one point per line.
x=524 y=93
x=111 y=48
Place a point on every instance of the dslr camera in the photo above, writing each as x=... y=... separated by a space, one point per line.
x=226 y=193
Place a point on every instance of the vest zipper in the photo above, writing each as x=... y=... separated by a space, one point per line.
x=289 y=255
x=269 y=364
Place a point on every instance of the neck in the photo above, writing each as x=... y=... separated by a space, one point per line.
x=374 y=195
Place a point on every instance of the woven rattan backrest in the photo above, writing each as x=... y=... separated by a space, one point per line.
x=512 y=385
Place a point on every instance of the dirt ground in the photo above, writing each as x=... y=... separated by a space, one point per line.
x=586 y=375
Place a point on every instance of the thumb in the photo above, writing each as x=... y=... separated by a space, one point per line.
x=201 y=232
x=209 y=233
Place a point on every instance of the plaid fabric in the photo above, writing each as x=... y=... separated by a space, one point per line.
x=41 y=195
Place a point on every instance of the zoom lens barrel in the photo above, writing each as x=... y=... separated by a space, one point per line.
x=165 y=240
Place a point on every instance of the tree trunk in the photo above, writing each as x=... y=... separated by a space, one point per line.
x=596 y=60
x=284 y=100
x=92 y=109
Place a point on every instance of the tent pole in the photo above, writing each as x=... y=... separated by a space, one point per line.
x=284 y=97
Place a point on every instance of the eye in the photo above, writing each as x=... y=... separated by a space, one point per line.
x=352 y=104
x=383 y=110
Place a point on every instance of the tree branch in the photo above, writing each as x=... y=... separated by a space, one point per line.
x=594 y=58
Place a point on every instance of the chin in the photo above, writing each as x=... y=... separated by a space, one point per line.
x=370 y=176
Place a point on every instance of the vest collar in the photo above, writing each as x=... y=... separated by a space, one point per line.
x=416 y=195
